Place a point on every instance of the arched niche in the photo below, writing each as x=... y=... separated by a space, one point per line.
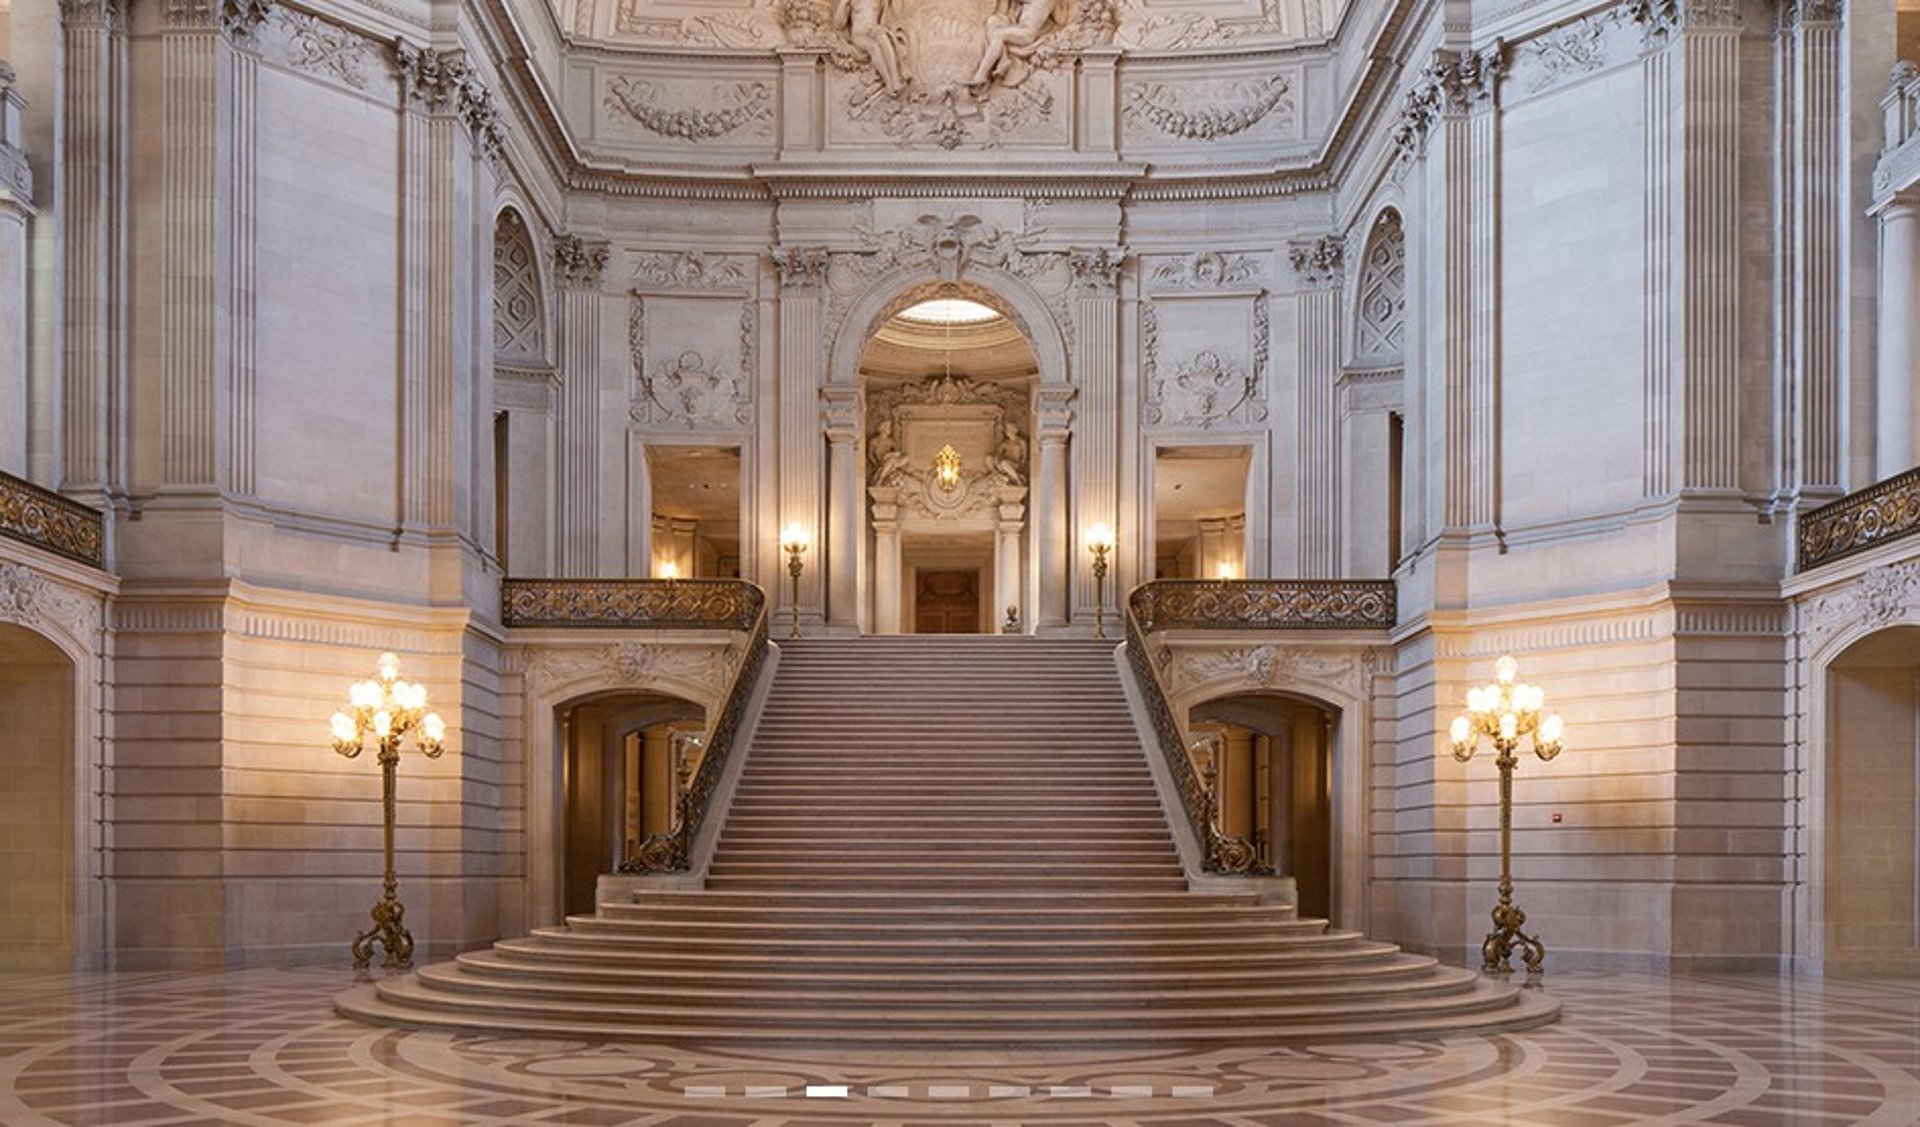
x=40 y=925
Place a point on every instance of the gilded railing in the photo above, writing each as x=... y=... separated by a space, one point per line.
x=1264 y=604
x=662 y=604
x=1882 y=512
x=47 y=520
x=644 y=604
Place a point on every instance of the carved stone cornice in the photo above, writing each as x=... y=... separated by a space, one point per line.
x=801 y=268
x=1454 y=82
x=578 y=263
x=1095 y=269
x=1318 y=261
x=443 y=82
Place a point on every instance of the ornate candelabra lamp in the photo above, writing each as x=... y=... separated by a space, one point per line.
x=1506 y=712
x=946 y=468
x=794 y=542
x=389 y=709
x=1099 y=542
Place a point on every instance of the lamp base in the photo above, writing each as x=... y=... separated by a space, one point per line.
x=387 y=933
x=1496 y=951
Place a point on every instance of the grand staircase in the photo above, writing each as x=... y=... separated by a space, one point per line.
x=947 y=842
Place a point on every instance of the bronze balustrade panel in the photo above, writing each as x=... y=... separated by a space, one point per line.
x=47 y=520
x=1881 y=513
x=646 y=604
x=1264 y=604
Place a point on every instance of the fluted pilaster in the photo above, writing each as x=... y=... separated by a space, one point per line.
x=1095 y=451
x=578 y=267
x=1318 y=264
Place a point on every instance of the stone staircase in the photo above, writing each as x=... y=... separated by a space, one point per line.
x=947 y=842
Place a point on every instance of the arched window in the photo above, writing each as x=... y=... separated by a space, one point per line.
x=519 y=313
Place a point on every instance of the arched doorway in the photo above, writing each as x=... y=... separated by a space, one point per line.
x=625 y=757
x=1273 y=766
x=1870 y=917
x=36 y=804
x=948 y=423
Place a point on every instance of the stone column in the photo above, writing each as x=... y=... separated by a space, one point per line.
x=1812 y=226
x=1899 y=339
x=89 y=170
x=16 y=208
x=577 y=267
x=803 y=273
x=1095 y=454
x=840 y=419
x=886 y=560
x=1053 y=423
x=1318 y=264
x=1006 y=567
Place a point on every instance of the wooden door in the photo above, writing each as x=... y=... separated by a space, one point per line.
x=947 y=602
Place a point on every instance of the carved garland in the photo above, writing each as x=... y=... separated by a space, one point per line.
x=1163 y=106
x=739 y=104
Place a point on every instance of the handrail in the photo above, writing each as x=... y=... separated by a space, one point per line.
x=47 y=520
x=1264 y=604
x=1882 y=512
x=661 y=604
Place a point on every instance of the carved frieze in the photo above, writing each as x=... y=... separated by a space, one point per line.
x=30 y=599
x=692 y=270
x=304 y=42
x=1571 y=51
x=1884 y=596
x=1264 y=667
x=443 y=82
x=730 y=107
x=1207 y=270
x=630 y=663
x=1208 y=111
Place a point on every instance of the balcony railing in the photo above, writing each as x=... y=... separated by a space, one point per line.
x=662 y=604
x=47 y=520
x=1233 y=604
x=1881 y=513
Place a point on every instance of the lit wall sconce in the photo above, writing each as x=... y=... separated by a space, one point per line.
x=667 y=570
x=1506 y=712
x=1225 y=571
x=389 y=709
x=1099 y=542
x=946 y=469
x=794 y=541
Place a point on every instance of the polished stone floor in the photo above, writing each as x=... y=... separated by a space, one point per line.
x=264 y=1047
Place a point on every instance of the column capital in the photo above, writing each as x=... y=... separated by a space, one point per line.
x=1318 y=261
x=1053 y=412
x=1454 y=82
x=801 y=267
x=840 y=413
x=578 y=263
x=443 y=82
x=1096 y=269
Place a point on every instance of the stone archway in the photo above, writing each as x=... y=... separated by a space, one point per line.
x=37 y=863
x=1009 y=503
x=1868 y=806
x=1274 y=768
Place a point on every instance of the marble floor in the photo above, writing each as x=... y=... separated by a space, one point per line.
x=264 y=1047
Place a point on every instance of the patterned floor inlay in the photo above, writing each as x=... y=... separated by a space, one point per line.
x=263 y=1047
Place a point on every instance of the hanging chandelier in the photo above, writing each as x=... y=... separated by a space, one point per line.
x=946 y=468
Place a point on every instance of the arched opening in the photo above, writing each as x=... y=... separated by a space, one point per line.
x=949 y=381
x=37 y=891
x=625 y=760
x=1871 y=913
x=1372 y=405
x=1273 y=764
x=523 y=399
x=1200 y=511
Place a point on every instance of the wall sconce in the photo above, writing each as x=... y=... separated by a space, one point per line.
x=667 y=570
x=389 y=708
x=946 y=469
x=794 y=542
x=1099 y=542
x=1505 y=712
x=1225 y=571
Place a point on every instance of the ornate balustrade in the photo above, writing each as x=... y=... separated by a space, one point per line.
x=1899 y=164
x=1882 y=512
x=1234 y=604
x=662 y=604
x=643 y=604
x=1264 y=604
x=47 y=520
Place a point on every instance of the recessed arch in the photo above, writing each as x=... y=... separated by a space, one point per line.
x=994 y=288
x=40 y=918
